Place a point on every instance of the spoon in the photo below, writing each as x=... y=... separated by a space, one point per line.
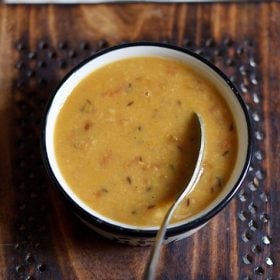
x=154 y=257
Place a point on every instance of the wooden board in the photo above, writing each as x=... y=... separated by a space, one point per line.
x=39 y=238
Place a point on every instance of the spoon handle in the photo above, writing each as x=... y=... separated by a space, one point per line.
x=154 y=257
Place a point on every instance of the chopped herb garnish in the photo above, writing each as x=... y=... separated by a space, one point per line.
x=104 y=190
x=148 y=189
x=172 y=167
x=128 y=179
x=87 y=107
x=88 y=125
x=128 y=88
x=225 y=153
x=130 y=103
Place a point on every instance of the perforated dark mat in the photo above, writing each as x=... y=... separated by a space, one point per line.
x=39 y=71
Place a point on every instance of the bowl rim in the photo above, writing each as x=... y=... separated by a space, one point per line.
x=142 y=232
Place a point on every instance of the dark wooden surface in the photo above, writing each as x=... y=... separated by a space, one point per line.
x=39 y=239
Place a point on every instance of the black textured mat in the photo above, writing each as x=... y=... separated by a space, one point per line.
x=39 y=71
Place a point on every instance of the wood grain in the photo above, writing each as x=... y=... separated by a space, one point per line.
x=270 y=55
x=6 y=200
x=62 y=248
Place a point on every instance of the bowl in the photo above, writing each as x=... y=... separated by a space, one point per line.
x=145 y=235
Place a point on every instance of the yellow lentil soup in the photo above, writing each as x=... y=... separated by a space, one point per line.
x=126 y=145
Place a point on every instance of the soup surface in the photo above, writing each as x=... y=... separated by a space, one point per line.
x=126 y=144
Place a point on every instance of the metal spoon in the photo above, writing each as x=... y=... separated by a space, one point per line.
x=154 y=257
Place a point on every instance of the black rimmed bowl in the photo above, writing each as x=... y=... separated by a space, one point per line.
x=126 y=233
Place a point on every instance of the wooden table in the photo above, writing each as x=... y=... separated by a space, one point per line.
x=39 y=239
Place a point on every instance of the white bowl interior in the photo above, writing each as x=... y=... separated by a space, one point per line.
x=137 y=51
